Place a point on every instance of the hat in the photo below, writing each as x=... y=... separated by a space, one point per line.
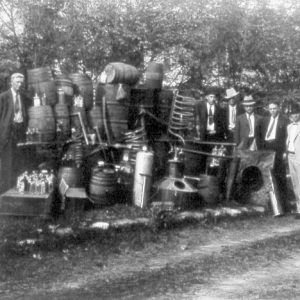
x=248 y=100
x=230 y=93
x=294 y=108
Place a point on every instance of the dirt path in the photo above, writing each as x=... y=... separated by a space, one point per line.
x=181 y=259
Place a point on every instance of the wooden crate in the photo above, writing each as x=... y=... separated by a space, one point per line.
x=13 y=203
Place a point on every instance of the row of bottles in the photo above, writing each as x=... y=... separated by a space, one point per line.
x=36 y=182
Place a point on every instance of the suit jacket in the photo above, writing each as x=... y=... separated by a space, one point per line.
x=296 y=141
x=7 y=116
x=239 y=111
x=278 y=145
x=218 y=118
x=241 y=135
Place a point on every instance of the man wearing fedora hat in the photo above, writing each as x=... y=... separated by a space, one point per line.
x=293 y=152
x=232 y=110
x=248 y=131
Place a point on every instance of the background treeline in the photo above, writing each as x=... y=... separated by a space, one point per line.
x=247 y=44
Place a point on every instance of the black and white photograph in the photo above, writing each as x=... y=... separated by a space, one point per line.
x=149 y=149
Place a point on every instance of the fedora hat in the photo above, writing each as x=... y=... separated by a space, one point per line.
x=230 y=93
x=248 y=100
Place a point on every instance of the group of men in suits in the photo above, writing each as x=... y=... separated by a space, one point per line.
x=239 y=123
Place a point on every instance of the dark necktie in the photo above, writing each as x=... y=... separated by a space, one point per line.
x=210 y=116
x=271 y=128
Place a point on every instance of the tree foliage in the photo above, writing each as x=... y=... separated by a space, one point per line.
x=208 y=42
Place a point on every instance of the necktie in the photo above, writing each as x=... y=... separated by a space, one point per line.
x=17 y=103
x=250 y=126
x=233 y=116
x=271 y=128
x=210 y=116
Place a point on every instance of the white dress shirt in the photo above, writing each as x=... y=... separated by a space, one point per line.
x=251 y=121
x=210 y=127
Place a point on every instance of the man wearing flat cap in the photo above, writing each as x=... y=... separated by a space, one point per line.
x=13 y=124
x=248 y=131
x=293 y=152
x=232 y=111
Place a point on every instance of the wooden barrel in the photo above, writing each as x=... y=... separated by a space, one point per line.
x=83 y=85
x=41 y=118
x=75 y=123
x=115 y=120
x=71 y=175
x=154 y=75
x=209 y=188
x=64 y=83
x=118 y=72
x=103 y=187
x=40 y=81
x=62 y=119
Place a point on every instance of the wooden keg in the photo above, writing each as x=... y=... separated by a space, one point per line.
x=103 y=186
x=64 y=83
x=40 y=81
x=75 y=123
x=118 y=72
x=41 y=118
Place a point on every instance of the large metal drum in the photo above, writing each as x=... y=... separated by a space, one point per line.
x=154 y=75
x=71 y=175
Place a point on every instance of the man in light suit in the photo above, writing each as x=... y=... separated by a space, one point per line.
x=248 y=131
x=13 y=124
x=293 y=153
x=275 y=134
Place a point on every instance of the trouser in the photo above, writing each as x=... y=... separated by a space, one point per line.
x=294 y=167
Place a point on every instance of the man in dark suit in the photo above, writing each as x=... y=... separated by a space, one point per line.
x=210 y=125
x=232 y=111
x=274 y=139
x=13 y=124
x=248 y=131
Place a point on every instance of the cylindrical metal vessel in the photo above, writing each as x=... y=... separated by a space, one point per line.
x=40 y=81
x=142 y=178
x=118 y=72
x=83 y=85
x=41 y=118
x=103 y=186
x=95 y=117
x=154 y=75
